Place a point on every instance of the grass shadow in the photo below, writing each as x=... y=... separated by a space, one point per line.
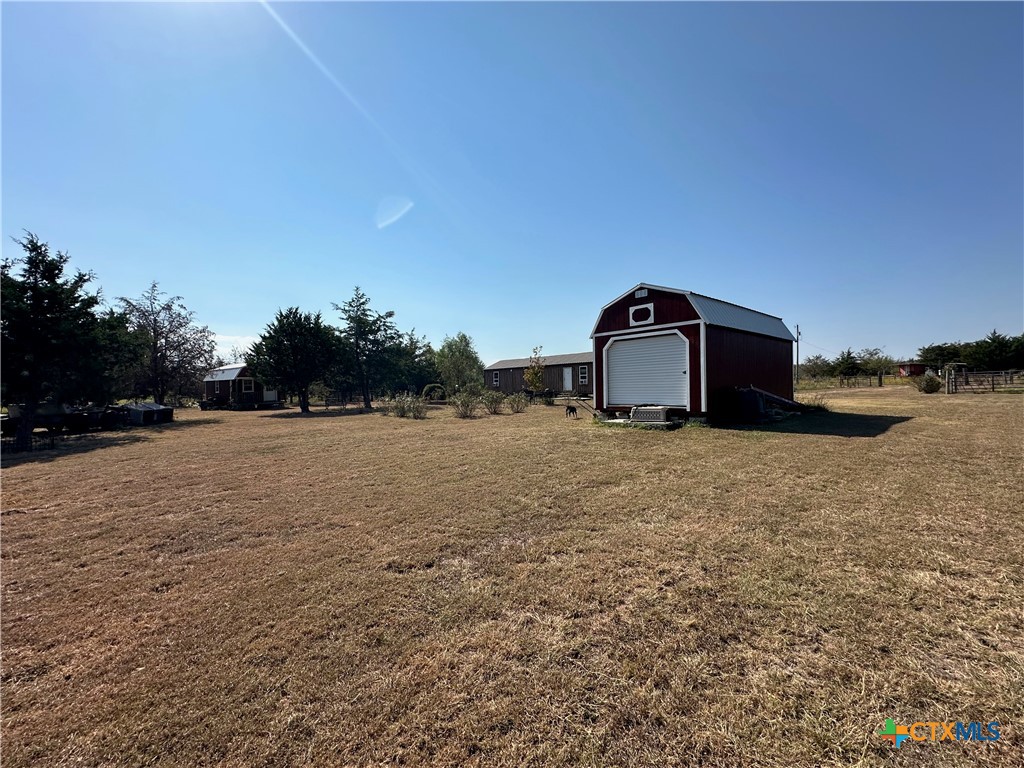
x=318 y=414
x=836 y=424
x=177 y=424
x=69 y=444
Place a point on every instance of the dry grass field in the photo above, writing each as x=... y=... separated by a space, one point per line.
x=252 y=589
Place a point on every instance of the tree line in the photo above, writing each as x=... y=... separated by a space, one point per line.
x=366 y=355
x=62 y=344
x=995 y=352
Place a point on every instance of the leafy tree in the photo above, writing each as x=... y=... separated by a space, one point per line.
x=874 y=360
x=816 y=367
x=1017 y=351
x=846 y=364
x=180 y=351
x=235 y=355
x=413 y=364
x=993 y=353
x=46 y=332
x=372 y=339
x=294 y=351
x=458 y=365
x=534 y=373
x=119 y=359
x=938 y=356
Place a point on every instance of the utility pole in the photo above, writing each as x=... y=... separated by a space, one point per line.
x=798 y=354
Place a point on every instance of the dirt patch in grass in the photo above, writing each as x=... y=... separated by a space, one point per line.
x=519 y=590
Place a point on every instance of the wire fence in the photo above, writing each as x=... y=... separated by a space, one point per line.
x=984 y=381
x=836 y=382
x=953 y=382
x=39 y=441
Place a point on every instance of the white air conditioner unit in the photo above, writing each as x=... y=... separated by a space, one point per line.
x=651 y=414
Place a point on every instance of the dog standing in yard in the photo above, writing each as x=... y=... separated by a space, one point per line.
x=570 y=410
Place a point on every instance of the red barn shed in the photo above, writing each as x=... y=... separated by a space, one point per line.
x=662 y=346
x=912 y=368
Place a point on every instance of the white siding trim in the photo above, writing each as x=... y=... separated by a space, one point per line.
x=624 y=337
x=704 y=367
x=652 y=327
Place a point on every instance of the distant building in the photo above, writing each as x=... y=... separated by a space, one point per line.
x=562 y=373
x=911 y=368
x=233 y=386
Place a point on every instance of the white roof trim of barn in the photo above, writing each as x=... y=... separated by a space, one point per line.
x=576 y=358
x=225 y=372
x=717 y=312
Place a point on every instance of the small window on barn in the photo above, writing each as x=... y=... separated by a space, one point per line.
x=640 y=294
x=584 y=374
x=496 y=379
x=642 y=314
x=247 y=385
x=216 y=387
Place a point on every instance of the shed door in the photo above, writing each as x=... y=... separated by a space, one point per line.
x=567 y=379
x=650 y=370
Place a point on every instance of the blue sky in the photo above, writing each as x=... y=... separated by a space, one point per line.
x=854 y=168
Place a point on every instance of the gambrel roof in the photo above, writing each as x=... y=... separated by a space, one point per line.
x=718 y=312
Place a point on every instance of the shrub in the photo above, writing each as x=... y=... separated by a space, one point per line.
x=817 y=403
x=928 y=384
x=493 y=401
x=517 y=403
x=404 y=406
x=433 y=392
x=400 y=406
x=417 y=408
x=465 y=404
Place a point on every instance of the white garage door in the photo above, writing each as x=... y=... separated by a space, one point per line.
x=651 y=370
